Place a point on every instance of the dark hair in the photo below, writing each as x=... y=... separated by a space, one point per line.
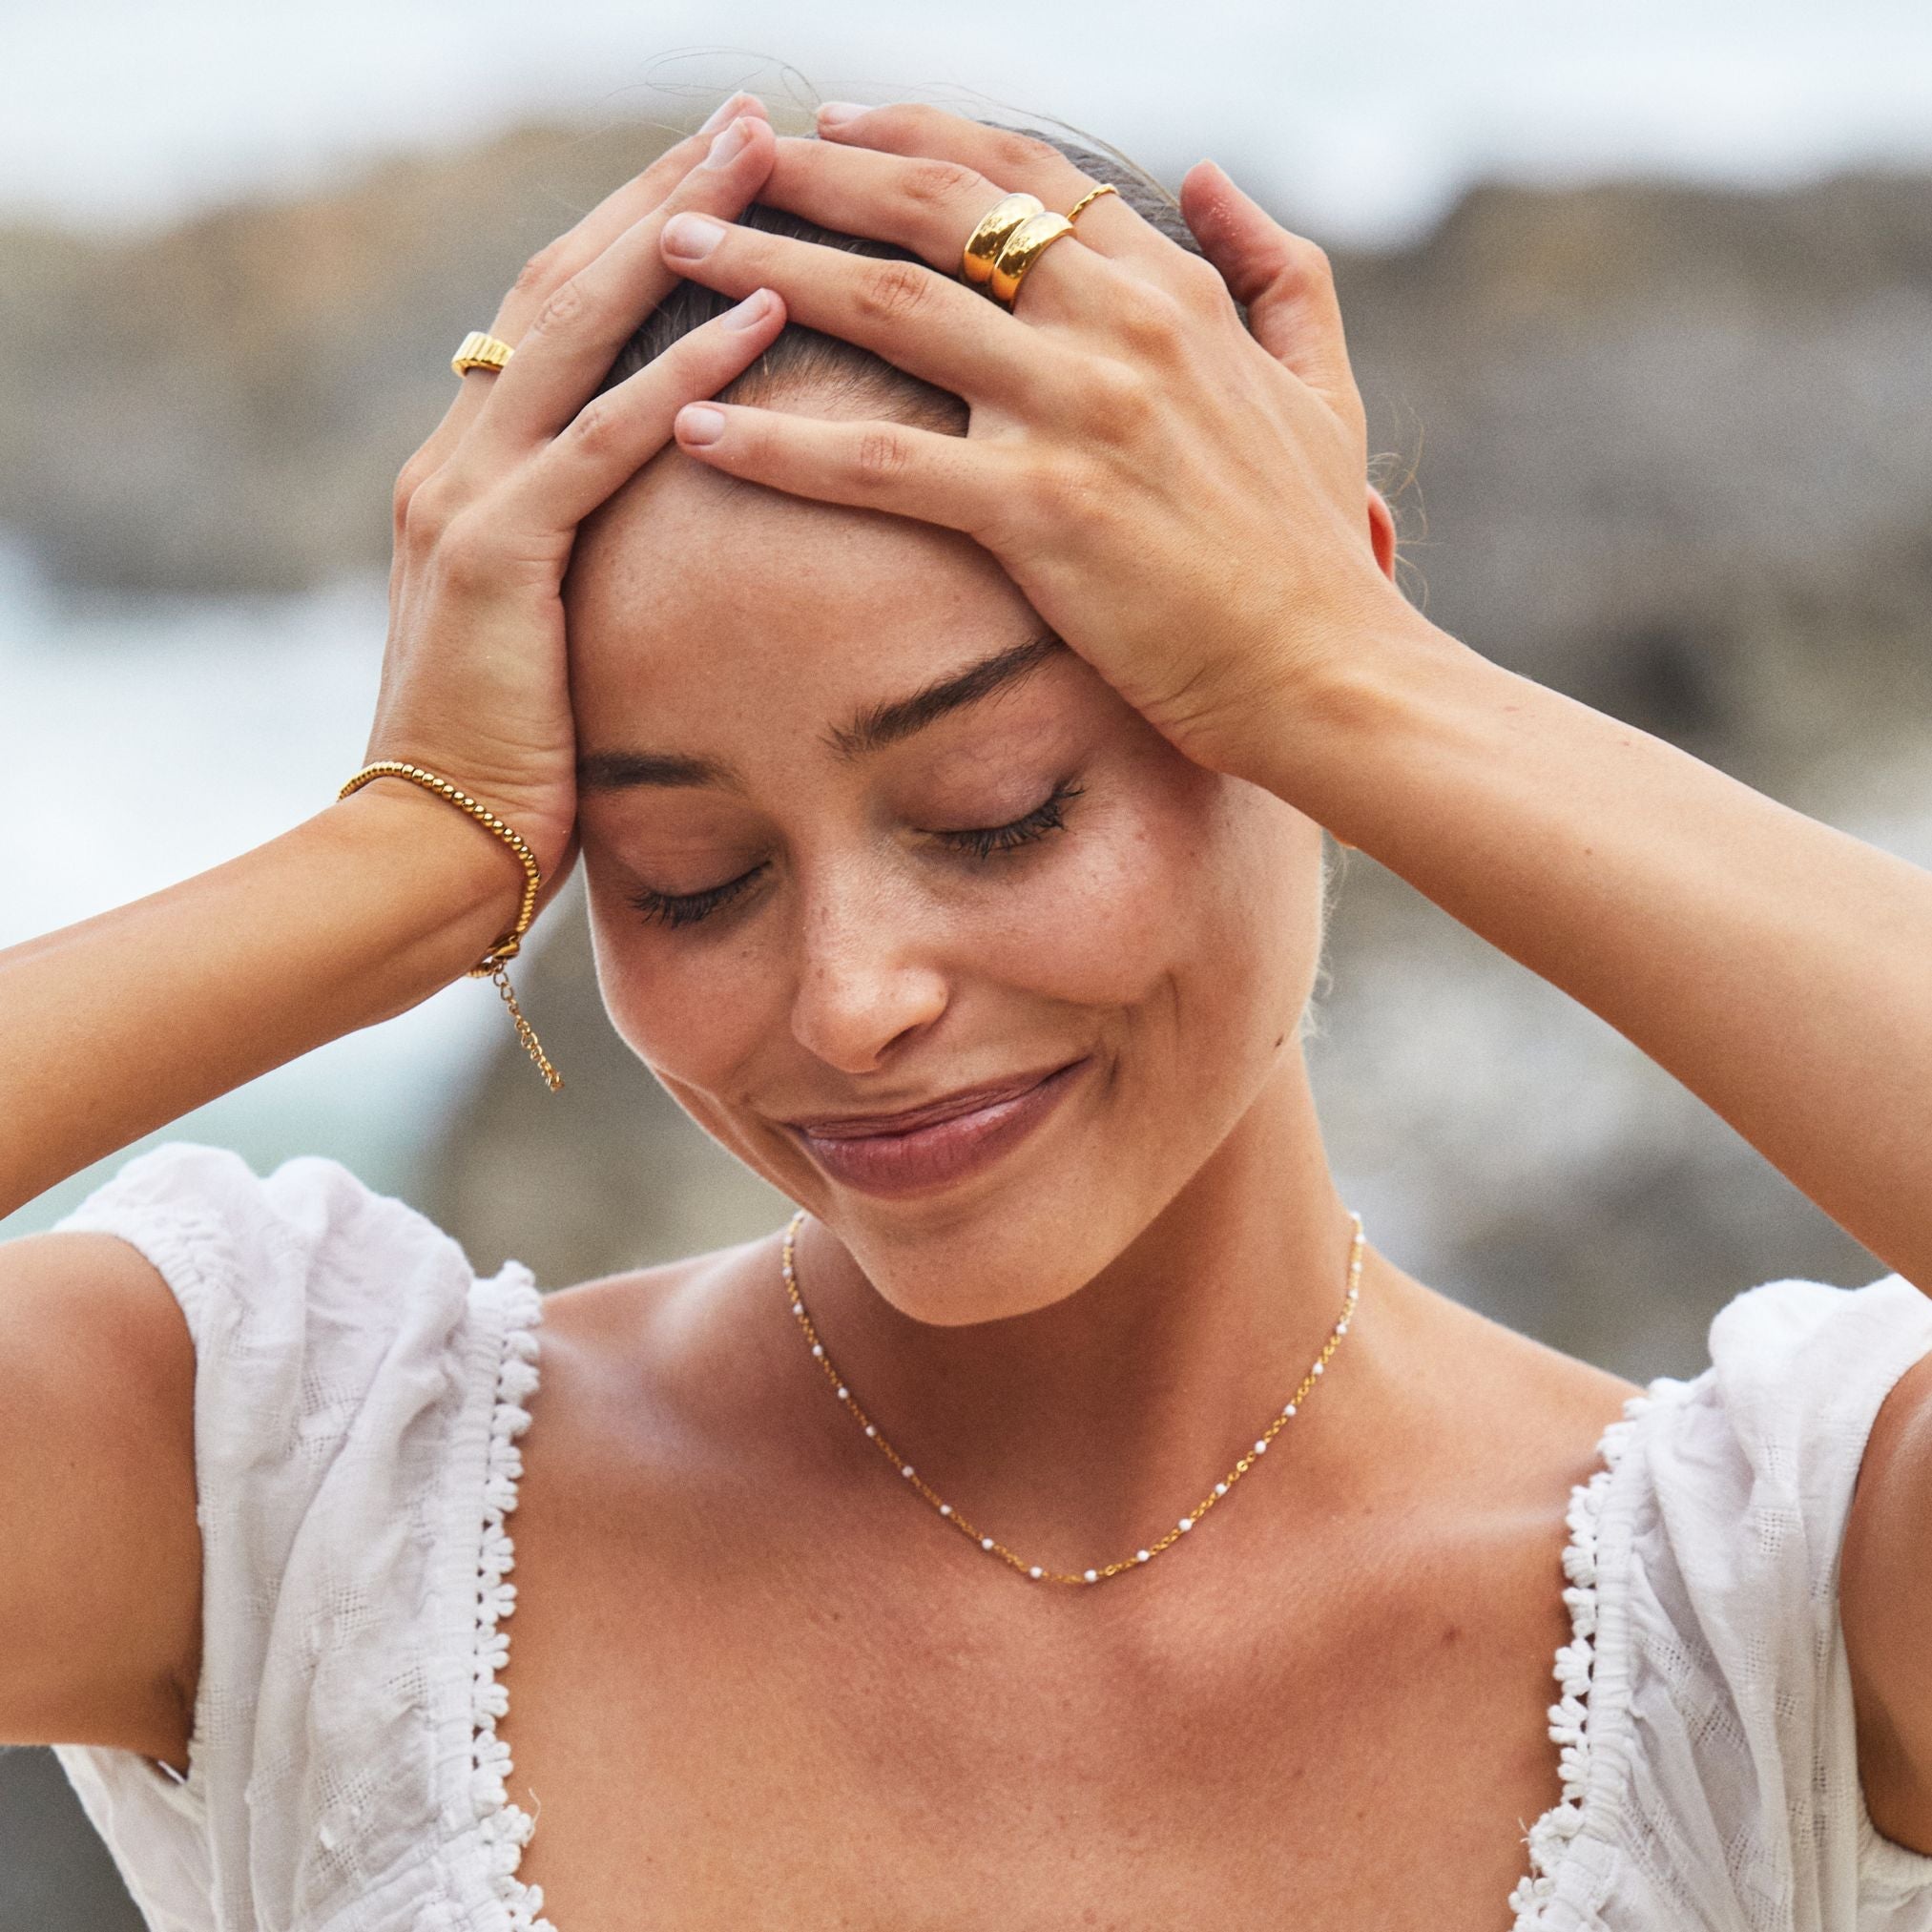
x=804 y=358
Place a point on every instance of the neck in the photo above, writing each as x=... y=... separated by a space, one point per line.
x=1075 y=1432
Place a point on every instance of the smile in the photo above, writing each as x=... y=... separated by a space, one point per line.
x=930 y=1147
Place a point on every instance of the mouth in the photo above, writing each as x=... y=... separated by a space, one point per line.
x=923 y=1148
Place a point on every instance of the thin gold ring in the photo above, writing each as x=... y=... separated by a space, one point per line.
x=1074 y=213
x=480 y=351
x=983 y=244
x=1026 y=245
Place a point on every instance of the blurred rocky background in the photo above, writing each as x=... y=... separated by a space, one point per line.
x=1665 y=449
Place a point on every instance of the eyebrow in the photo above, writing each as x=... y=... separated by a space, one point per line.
x=871 y=730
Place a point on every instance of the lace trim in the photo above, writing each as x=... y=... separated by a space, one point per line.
x=505 y=1828
x=1550 y=1836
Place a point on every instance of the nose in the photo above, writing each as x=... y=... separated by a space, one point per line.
x=868 y=978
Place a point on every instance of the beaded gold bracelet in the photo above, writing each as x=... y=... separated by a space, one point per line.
x=492 y=965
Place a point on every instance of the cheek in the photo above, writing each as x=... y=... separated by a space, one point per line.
x=691 y=1013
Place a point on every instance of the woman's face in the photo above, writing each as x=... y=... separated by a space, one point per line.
x=859 y=838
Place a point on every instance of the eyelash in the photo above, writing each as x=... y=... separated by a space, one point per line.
x=686 y=908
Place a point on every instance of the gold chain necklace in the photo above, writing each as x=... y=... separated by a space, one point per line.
x=991 y=1545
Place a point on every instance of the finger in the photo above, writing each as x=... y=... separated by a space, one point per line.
x=1285 y=281
x=927 y=324
x=554 y=264
x=616 y=434
x=948 y=480
x=1018 y=163
x=573 y=341
x=579 y=246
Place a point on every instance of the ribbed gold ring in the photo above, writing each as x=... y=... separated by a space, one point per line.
x=1079 y=207
x=1029 y=242
x=480 y=351
x=983 y=244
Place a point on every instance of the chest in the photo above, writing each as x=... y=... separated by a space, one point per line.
x=750 y=1720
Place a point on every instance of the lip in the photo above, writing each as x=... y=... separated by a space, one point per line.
x=923 y=1148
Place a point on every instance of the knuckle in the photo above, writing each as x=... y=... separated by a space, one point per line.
x=466 y=553
x=1201 y=284
x=1018 y=151
x=878 y=456
x=540 y=273
x=561 y=308
x=1312 y=263
x=1154 y=323
x=425 y=510
x=895 y=291
x=939 y=183
x=597 y=429
x=1124 y=398
x=409 y=480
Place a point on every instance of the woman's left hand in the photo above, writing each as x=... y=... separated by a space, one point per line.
x=1186 y=503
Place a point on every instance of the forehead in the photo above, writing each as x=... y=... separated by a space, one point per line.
x=695 y=599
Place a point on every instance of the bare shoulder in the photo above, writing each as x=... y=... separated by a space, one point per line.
x=655 y=1365
x=1501 y=1392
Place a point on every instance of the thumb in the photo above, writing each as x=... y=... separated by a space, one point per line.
x=1284 y=280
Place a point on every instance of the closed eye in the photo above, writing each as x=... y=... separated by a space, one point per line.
x=984 y=840
x=674 y=909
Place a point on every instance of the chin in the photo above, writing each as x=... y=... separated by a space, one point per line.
x=1016 y=1251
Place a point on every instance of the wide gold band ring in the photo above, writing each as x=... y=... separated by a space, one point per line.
x=996 y=224
x=1025 y=246
x=480 y=351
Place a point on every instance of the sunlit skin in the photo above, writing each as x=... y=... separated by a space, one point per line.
x=755 y=1680
x=1166 y=932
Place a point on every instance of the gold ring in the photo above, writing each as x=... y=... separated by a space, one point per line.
x=1079 y=207
x=480 y=351
x=996 y=224
x=1026 y=245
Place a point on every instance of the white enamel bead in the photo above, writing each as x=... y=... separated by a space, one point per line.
x=1036 y=1572
x=1220 y=1488
x=1092 y=1576
x=1187 y=1523
x=905 y=1469
x=946 y=1508
x=870 y=1431
x=843 y=1392
x=1262 y=1446
x=1140 y=1555
x=819 y=1350
x=1319 y=1367
x=986 y=1542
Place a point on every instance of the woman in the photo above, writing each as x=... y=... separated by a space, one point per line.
x=951 y=811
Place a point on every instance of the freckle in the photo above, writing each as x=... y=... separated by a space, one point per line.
x=1280 y=1039
x=1451 y=1632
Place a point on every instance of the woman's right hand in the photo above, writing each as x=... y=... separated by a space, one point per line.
x=474 y=681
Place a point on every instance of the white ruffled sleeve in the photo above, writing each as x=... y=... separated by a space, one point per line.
x=1715 y=1769
x=357 y=1394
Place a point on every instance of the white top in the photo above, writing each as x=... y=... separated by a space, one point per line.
x=359 y=1393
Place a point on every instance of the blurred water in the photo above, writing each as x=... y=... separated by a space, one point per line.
x=143 y=740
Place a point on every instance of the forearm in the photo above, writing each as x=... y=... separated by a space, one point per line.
x=125 y=1022
x=1780 y=969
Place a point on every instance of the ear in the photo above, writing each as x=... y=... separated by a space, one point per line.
x=1381 y=532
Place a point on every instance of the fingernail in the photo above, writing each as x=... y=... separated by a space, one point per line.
x=699 y=423
x=726 y=147
x=691 y=236
x=721 y=112
x=834 y=114
x=747 y=312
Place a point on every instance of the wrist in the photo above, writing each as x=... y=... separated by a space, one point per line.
x=463 y=878
x=1363 y=714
